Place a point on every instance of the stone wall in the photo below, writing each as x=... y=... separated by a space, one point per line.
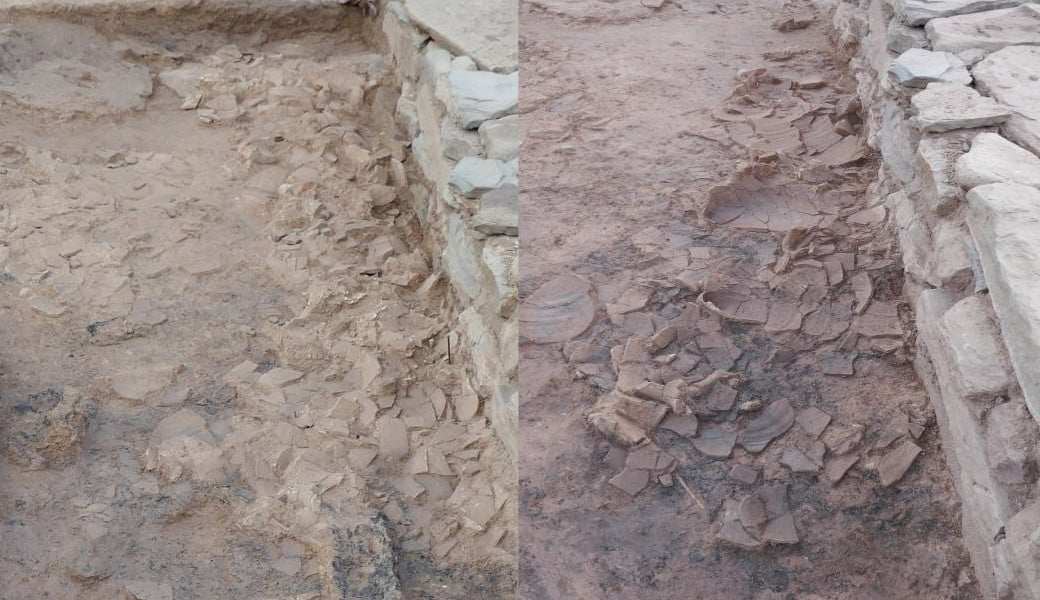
x=456 y=63
x=951 y=97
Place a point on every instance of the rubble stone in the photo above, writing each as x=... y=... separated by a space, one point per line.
x=1009 y=77
x=948 y=106
x=473 y=177
x=919 y=12
x=917 y=67
x=974 y=349
x=501 y=137
x=499 y=212
x=1003 y=219
x=988 y=31
x=993 y=159
x=479 y=96
x=486 y=32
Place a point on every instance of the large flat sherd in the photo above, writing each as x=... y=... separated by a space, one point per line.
x=1012 y=77
x=993 y=159
x=771 y=423
x=558 y=311
x=919 y=12
x=486 y=31
x=948 y=106
x=987 y=31
x=1004 y=219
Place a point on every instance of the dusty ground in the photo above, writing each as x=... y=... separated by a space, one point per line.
x=223 y=363
x=680 y=150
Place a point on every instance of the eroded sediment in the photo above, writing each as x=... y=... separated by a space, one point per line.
x=226 y=366
x=738 y=405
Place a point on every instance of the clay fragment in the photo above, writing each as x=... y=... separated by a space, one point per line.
x=772 y=422
x=717 y=443
x=631 y=481
x=743 y=474
x=837 y=467
x=558 y=311
x=813 y=420
x=896 y=463
x=682 y=424
x=798 y=462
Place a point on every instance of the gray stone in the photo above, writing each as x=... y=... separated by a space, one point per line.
x=948 y=106
x=1004 y=219
x=919 y=12
x=1011 y=77
x=993 y=159
x=971 y=342
x=500 y=260
x=895 y=142
x=462 y=258
x=1010 y=438
x=901 y=38
x=936 y=160
x=473 y=177
x=463 y=63
x=501 y=137
x=504 y=415
x=458 y=143
x=984 y=502
x=485 y=31
x=986 y=31
x=971 y=57
x=1021 y=548
x=499 y=212
x=951 y=265
x=918 y=67
x=479 y=96
x=405 y=41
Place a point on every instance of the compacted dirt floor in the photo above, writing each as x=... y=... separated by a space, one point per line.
x=223 y=351
x=716 y=396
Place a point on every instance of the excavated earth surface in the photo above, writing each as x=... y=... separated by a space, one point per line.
x=224 y=368
x=697 y=206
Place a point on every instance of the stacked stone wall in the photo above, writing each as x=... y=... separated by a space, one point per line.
x=457 y=68
x=951 y=97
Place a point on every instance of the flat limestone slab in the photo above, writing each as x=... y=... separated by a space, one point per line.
x=948 y=106
x=970 y=339
x=1012 y=77
x=987 y=31
x=919 y=12
x=984 y=502
x=1004 y=219
x=486 y=31
x=918 y=67
x=993 y=159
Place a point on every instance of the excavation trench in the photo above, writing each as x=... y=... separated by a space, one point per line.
x=734 y=380
x=224 y=369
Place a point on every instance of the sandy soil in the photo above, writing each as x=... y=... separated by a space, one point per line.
x=695 y=181
x=223 y=364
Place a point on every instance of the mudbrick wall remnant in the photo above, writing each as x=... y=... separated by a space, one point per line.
x=952 y=99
